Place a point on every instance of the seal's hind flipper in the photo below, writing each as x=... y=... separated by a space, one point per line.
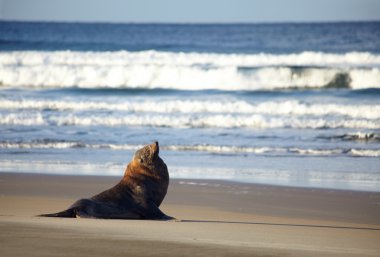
x=69 y=213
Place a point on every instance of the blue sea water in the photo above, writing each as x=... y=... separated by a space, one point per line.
x=285 y=104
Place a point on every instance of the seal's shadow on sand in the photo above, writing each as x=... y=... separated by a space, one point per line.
x=278 y=224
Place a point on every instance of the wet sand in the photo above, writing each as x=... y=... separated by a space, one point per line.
x=218 y=218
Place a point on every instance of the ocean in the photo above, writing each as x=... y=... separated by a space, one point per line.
x=283 y=104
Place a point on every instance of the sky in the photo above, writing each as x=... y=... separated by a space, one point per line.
x=190 y=11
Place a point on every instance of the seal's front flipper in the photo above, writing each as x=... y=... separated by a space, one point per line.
x=152 y=212
x=165 y=217
x=169 y=218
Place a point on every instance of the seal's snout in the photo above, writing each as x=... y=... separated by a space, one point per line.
x=155 y=148
x=154 y=145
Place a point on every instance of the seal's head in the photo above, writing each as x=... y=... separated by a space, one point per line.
x=147 y=155
x=148 y=173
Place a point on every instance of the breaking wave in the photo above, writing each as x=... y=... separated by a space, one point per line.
x=358 y=136
x=255 y=121
x=283 y=108
x=215 y=149
x=189 y=71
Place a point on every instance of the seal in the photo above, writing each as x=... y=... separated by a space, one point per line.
x=137 y=196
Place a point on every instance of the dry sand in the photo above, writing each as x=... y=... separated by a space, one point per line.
x=218 y=219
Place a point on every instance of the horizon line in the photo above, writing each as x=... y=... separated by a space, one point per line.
x=190 y=23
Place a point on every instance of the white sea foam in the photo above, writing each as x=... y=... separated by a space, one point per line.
x=365 y=152
x=190 y=71
x=208 y=121
x=259 y=150
x=51 y=144
x=255 y=121
x=361 y=136
x=275 y=150
x=30 y=58
x=283 y=108
x=41 y=145
x=24 y=119
x=216 y=149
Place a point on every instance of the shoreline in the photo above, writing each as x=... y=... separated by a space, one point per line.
x=218 y=218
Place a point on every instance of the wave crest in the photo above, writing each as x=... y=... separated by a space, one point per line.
x=215 y=149
x=255 y=121
x=358 y=136
x=189 y=71
x=272 y=108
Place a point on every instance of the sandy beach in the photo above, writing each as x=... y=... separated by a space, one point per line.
x=218 y=218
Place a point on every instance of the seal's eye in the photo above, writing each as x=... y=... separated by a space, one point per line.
x=141 y=160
